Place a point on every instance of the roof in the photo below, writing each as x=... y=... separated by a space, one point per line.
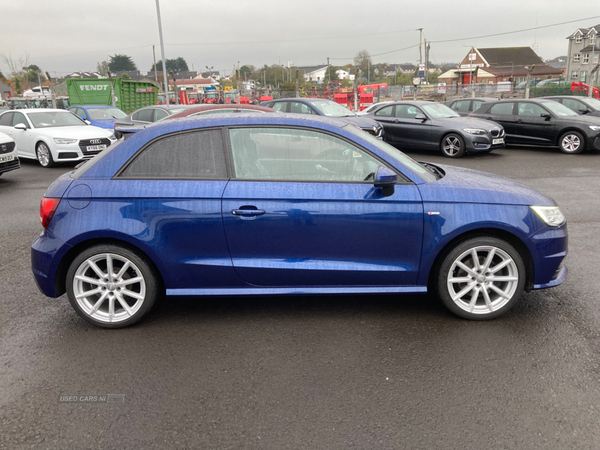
x=584 y=31
x=192 y=81
x=509 y=56
x=310 y=69
x=92 y=106
x=518 y=71
x=590 y=48
x=208 y=107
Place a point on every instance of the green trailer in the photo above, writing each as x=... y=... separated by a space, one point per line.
x=129 y=95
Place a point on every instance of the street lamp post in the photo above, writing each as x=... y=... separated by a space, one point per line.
x=162 y=50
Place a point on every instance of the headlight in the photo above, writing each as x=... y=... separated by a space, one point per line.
x=595 y=127
x=551 y=215
x=64 y=141
x=473 y=131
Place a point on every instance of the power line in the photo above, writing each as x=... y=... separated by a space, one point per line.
x=516 y=31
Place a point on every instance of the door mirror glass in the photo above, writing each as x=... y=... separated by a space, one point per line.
x=385 y=179
x=20 y=126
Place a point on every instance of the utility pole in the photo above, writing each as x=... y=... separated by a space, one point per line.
x=53 y=96
x=420 y=45
x=528 y=80
x=591 y=83
x=112 y=89
x=155 y=73
x=297 y=75
x=162 y=50
x=328 y=75
x=175 y=88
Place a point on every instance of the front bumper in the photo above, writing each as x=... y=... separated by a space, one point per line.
x=483 y=142
x=74 y=152
x=10 y=165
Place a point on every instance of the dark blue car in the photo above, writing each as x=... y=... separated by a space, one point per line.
x=98 y=115
x=282 y=204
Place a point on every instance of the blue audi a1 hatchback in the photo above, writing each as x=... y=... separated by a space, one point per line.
x=263 y=205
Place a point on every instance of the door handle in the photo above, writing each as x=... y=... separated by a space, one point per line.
x=396 y=121
x=488 y=118
x=519 y=121
x=247 y=212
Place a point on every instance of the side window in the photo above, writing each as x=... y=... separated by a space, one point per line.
x=19 y=118
x=530 y=109
x=159 y=114
x=461 y=105
x=502 y=108
x=298 y=155
x=6 y=119
x=477 y=104
x=279 y=106
x=300 y=108
x=575 y=105
x=407 y=111
x=198 y=154
x=388 y=111
x=145 y=115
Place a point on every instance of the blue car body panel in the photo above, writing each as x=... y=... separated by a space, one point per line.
x=108 y=124
x=325 y=237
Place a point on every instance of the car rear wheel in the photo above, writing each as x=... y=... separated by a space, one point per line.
x=481 y=278
x=44 y=155
x=111 y=286
x=452 y=146
x=571 y=143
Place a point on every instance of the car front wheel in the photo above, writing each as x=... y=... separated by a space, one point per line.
x=452 y=146
x=571 y=143
x=111 y=286
x=481 y=278
x=44 y=155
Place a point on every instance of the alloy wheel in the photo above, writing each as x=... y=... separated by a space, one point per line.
x=109 y=288
x=482 y=280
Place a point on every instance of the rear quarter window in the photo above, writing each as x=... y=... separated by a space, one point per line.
x=190 y=155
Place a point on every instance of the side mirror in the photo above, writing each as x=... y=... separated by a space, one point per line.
x=584 y=111
x=20 y=126
x=87 y=122
x=385 y=179
x=421 y=117
x=546 y=116
x=83 y=118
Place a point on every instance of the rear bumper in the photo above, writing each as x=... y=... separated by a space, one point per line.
x=46 y=253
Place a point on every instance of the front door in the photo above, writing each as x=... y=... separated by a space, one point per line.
x=504 y=113
x=302 y=211
x=531 y=128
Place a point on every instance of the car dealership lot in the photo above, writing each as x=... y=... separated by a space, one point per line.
x=310 y=372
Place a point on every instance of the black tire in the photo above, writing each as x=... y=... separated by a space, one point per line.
x=571 y=143
x=453 y=282
x=452 y=146
x=118 y=134
x=113 y=291
x=44 y=155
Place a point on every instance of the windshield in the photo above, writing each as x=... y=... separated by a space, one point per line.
x=590 y=102
x=105 y=113
x=559 y=109
x=48 y=119
x=438 y=111
x=331 y=109
x=393 y=152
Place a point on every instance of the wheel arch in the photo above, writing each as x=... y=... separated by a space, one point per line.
x=67 y=259
x=511 y=238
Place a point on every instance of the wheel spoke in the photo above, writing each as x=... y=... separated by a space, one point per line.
x=475 y=259
x=111 y=308
x=132 y=294
x=88 y=293
x=109 y=267
x=89 y=280
x=463 y=291
x=466 y=268
x=501 y=265
x=124 y=303
x=460 y=280
x=486 y=297
x=499 y=291
x=119 y=276
x=488 y=260
x=129 y=281
x=95 y=268
x=507 y=278
x=98 y=303
x=474 y=296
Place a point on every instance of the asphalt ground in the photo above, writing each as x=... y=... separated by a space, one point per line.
x=347 y=372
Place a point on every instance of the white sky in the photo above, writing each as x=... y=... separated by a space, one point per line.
x=62 y=36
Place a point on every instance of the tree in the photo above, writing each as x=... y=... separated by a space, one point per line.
x=2 y=77
x=245 y=72
x=176 y=65
x=119 y=63
x=363 y=59
x=102 y=67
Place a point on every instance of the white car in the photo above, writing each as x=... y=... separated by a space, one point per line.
x=54 y=135
x=364 y=112
x=38 y=91
x=8 y=154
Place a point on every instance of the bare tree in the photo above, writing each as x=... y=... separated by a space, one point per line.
x=362 y=59
x=16 y=67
